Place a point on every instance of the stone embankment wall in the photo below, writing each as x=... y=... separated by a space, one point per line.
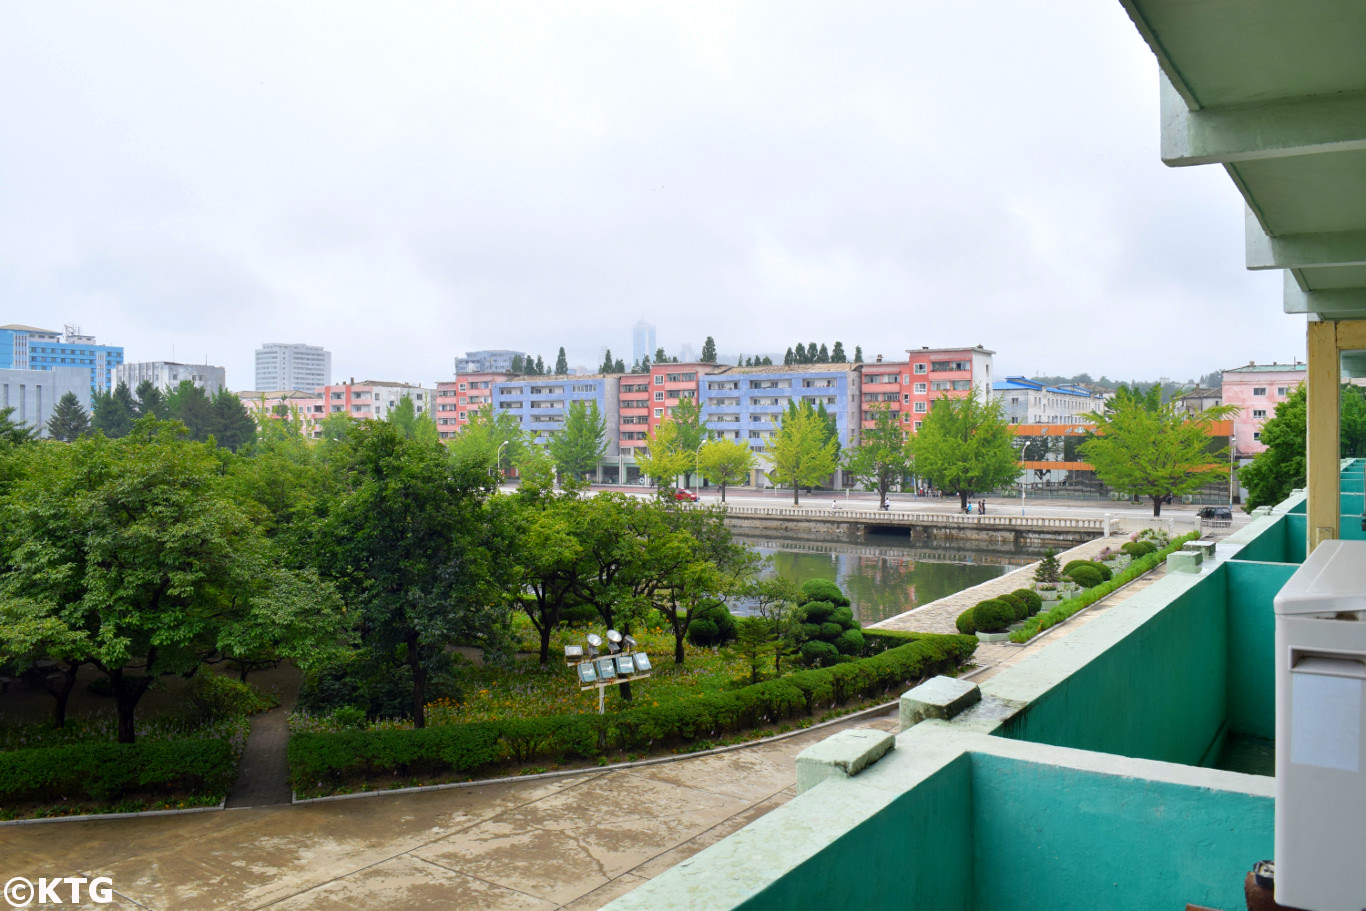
x=986 y=532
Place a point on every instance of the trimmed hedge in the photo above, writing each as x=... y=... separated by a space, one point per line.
x=320 y=762
x=1099 y=567
x=1019 y=606
x=110 y=771
x=1030 y=598
x=965 y=624
x=1085 y=576
x=1065 y=609
x=993 y=615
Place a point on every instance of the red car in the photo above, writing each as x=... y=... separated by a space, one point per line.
x=685 y=496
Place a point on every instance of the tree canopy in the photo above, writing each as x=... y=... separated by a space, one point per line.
x=964 y=445
x=725 y=462
x=883 y=457
x=577 y=448
x=803 y=452
x=1154 y=450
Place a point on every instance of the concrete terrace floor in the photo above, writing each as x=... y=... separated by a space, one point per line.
x=574 y=842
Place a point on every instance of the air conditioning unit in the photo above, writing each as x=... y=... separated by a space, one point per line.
x=1321 y=731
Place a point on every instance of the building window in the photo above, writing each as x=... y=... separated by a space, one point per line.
x=919 y=408
x=917 y=425
x=462 y=415
x=1259 y=390
x=1257 y=436
x=919 y=368
x=1258 y=412
x=1282 y=390
x=659 y=380
x=920 y=389
x=659 y=395
x=659 y=412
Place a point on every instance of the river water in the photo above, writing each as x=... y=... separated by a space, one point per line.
x=882 y=575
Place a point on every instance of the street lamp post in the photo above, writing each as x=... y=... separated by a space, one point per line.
x=697 y=465
x=1232 y=454
x=498 y=460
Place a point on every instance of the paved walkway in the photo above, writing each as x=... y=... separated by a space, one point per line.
x=263 y=776
x=573 y=843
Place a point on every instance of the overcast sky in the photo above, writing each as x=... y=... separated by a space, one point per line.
x=403 y=182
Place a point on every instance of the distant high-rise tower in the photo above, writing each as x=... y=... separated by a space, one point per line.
x=642 y=342
x=307 y=368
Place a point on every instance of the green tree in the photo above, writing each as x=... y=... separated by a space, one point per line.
x=1352 y=422
x=409 y=547
x=799 y=354
x=578 y=447
x=1152 y=451
x=546 y=556
x=518 y=365
x=709 y=351
x=561 y=363
x=618 y=367
x=689 y=433
x=789 y=358
x=113 y=412
x=608 y=366
x=490 y=434
x=233 y=427
x=150 y=400
x=69 y=421
x=803 y=452
x=132 y=555
x=883 y=457
x=823 y=356
x=965 y=445
x=726 y=462
x=13 y=433
x=189 y=405
x=662 y=460
x=660 y=356
x=858 y=354
x=837 y=355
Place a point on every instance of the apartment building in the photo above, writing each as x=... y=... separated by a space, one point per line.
x=492 y=360
x=31 y=348
x=306 y=368
x=279 y=404
x=747 y=403
x=540 y=403
x=169 y=375
x=457 y=400
x=633 y=411
x=1026 y=401
x=1256 y=390
x=374 y=399
x=911 y=386
x=33 y=394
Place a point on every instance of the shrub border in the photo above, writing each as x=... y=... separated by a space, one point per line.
x=1140 y=566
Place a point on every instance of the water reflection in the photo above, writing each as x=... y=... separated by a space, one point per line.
x=883 y=576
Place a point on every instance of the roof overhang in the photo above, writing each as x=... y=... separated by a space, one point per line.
x=1276 y=93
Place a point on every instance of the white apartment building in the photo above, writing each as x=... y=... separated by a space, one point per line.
x=169 y=375
x=306 y=368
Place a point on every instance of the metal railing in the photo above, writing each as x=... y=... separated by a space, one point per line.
x=881 y=517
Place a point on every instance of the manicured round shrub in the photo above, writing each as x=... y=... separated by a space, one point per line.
x=850 y=642
x=808 y=631
x=1138 y=549
x=823 y=590
x=817 y=611
x=1098 y=567
x=1021 y=609
x=993 y=616
x=712 y=625
x=819 y=653
x=831 y=631
x=1086 y=576
x=844 y=616
x=966 y=625
x=1031 y=599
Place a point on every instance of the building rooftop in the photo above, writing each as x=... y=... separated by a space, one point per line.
x=1269 y=368
x=722 y=370
x=1201 y=392
x=19 y=327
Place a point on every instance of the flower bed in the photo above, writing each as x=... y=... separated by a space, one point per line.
x=1070 y=606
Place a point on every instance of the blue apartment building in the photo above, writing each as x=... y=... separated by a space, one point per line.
x=541 y=402
x=31 y=348
x=747 y=403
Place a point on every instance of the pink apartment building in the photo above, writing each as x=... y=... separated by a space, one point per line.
x=374 y=399
x=281 y=403
x=671 y=383
x=910 y=386
x=459 y=399
x=1256 y=390
x=633 y=408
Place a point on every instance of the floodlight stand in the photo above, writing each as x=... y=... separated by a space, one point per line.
x=601 y=690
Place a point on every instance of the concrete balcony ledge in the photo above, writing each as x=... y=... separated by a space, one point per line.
x=842 y=755
x=1185 y=561
x=1205 y=548
x=938 y=697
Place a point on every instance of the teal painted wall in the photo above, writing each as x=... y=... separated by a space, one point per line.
x=1158 y=693
x=1283 y=541
x=915 y=853
x=1052 y=837
x=1251 y=648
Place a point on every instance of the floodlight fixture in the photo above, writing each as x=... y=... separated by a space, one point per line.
x=625 y=666
x=592 y=652
x=628 y=641
x=607 y=668
x=642 y=662
x=587 y=675
x=573 y=652
x=594 y=640
x=613 y=636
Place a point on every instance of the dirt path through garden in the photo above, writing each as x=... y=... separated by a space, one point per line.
x=263 y=773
